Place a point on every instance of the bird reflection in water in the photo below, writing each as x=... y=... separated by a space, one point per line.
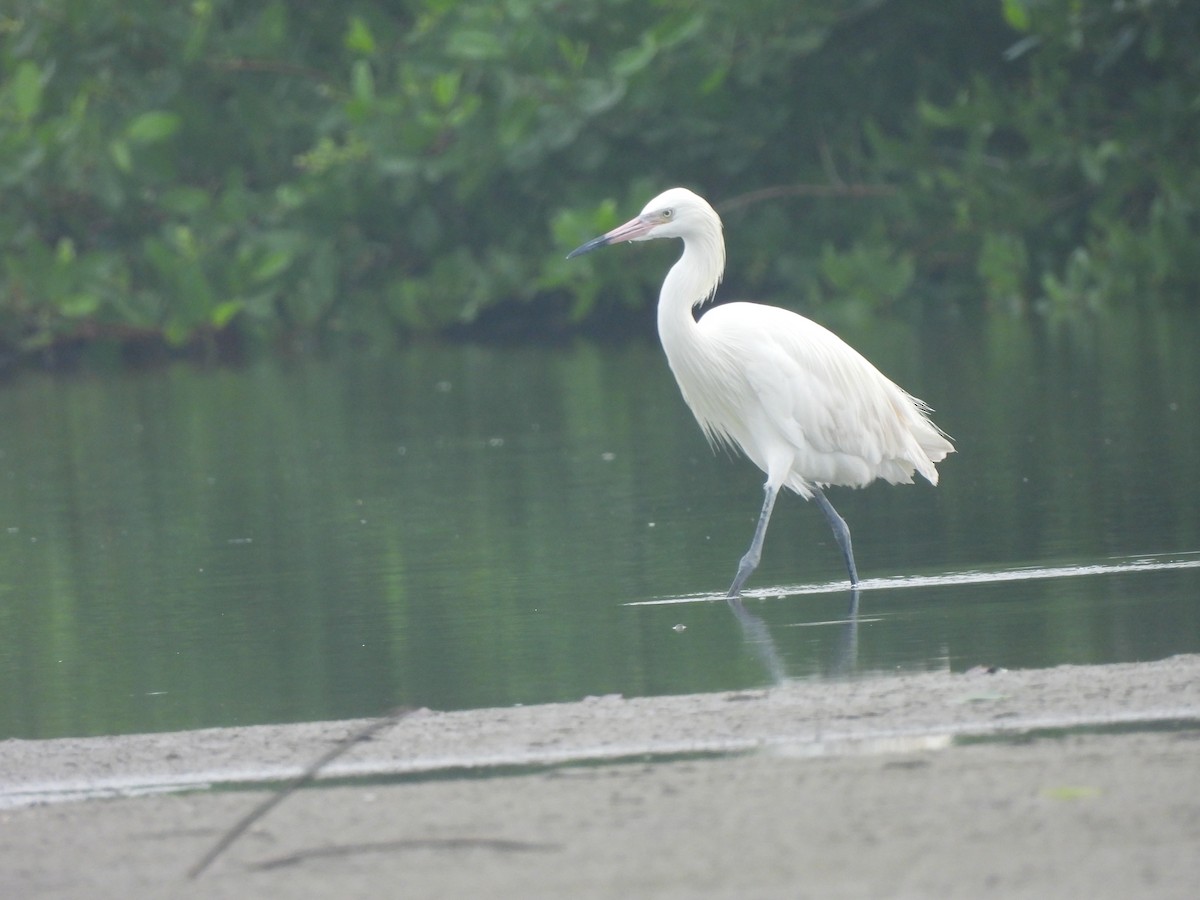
x=757 y=636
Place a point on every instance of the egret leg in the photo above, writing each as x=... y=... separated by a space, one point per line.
x=750 y=561
x=841 y=531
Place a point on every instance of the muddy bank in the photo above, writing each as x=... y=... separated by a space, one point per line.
x=914 y=785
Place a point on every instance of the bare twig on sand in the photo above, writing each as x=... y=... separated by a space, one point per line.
x=364 y=734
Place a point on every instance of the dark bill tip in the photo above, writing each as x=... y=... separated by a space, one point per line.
x=591 y=245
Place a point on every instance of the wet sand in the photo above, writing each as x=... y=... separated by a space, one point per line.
x=1073 y=781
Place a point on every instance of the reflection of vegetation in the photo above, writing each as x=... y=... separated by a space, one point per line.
x=270 y=169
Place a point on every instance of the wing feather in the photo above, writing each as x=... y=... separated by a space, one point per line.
x=780 y=380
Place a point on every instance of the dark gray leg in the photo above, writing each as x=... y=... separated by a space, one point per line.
x=841 y=531
x=750 y=561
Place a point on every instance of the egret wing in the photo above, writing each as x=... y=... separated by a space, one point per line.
x=845 y=421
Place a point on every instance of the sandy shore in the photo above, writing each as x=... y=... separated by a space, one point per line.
x=1074 y=781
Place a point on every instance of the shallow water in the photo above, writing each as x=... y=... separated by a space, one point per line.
x=462 y=526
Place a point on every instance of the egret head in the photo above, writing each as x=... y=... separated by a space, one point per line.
x=676 y=213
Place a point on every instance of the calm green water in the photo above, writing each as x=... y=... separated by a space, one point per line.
x=466 y=526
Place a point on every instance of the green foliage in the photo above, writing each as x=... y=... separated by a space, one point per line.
x=174 y=171
x=1073 y=180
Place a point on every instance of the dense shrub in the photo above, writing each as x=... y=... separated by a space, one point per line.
x=175 y=171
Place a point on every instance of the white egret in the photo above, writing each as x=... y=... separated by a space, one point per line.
x=801 y=403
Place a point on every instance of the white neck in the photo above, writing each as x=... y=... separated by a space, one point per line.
x=691 y=282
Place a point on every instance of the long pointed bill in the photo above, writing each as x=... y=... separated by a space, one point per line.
x=633 y=230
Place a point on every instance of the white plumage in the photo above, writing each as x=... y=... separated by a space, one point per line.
x=800 y=402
